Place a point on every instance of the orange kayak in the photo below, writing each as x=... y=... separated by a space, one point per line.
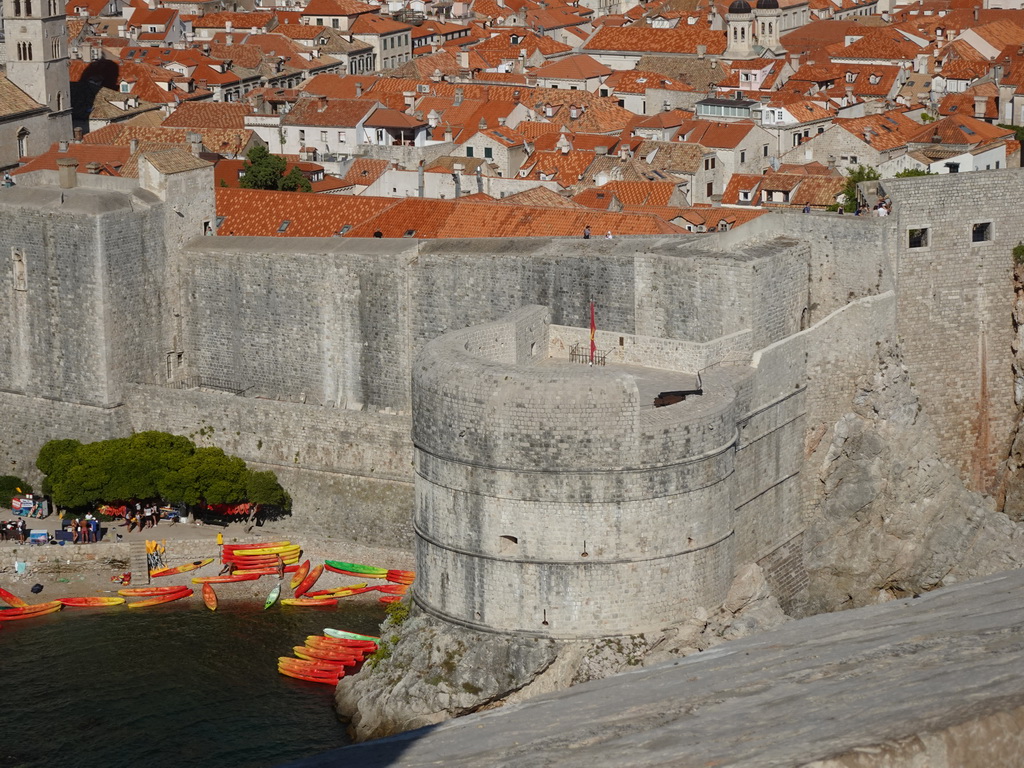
x=309 y=602
x=169 y=598
x=91 y=602
x=225 y=579
x=209 y=597
x=12 y=599
x=330 y=678
x=227 y=548
x=30 y=611
x=181 y=568
x=300 y=574
x=309 y=581
x=148 y=591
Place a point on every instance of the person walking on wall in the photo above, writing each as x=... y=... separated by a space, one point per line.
x=586 y=232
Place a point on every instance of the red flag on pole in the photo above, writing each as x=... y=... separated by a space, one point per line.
x=593 y=333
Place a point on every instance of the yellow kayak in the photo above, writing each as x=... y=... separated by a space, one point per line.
x=282 y=550
x=181 y=568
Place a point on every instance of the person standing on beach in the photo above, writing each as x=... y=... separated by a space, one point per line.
x=94 y=529
x=22 y=531
x=75 y=530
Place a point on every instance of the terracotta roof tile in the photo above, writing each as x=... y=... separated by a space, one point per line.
x=424 y=218
x=240 y=21
x=257 y=212
x=541 y=196
x=111 y=157
x=209 y=114
x=325 y=112
x=648 y=40
x=365 y=170
x=577 y=67
x=13 y=100
x=634 y=193
x=337 y=8
x=639 y=80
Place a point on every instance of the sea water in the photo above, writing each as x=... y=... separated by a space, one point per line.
x=170 y=685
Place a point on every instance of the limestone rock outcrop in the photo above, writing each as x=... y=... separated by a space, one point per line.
x=891 y=519
x=430 y=671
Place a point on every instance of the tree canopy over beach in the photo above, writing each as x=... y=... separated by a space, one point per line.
x=150 y=465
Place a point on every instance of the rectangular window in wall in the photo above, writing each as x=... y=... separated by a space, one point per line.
x=488 y=153
x=981 y=232
x=917 y=238
x=469 y=151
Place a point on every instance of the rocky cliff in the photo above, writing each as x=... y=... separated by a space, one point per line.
x=891 y=519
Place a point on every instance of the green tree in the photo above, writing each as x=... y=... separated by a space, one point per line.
x=294 y=181
x=855 y=177
x=262 y=488
x=11 y=486
x=913 y=172
x=262 y=169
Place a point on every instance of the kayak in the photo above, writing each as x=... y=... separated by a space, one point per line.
x=311 y=653
x=402 y=577
x=341 y=593
x=309 y=581
x=330 y=679
x=168 y=598
x=300 y=574
x=181 y=568
x=390 y=599
x=265 y=571
x=91 y=602
x=30 y=611
x=363 y=647
x=309 y=602
x=287 y=549
x=151 y=591
x=226 y=548
x=12 y=599
x=225 y=579
x=392 y=589
x=272 y=597
x=318 y=666
x=337 y=590
x=288 y=557
x=355 y=569
x=209 y=597
x=345 y=635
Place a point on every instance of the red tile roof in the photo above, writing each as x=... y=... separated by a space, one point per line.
x=208 y=114
x=648 y=40
x=577 y=67
x=111 y=158
x=256 y=212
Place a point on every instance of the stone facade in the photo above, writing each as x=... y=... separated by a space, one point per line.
x=297 y=354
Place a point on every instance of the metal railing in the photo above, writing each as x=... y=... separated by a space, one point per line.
x=580 y=353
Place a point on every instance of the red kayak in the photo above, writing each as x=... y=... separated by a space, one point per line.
x=91 y=602
x=12 y=599
x=30 y=611
x=159 y=599
x=225 y=579
x=309 y=581
x=149 y=591
x=325 y=679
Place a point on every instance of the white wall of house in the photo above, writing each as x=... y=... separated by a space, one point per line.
x=401 y=183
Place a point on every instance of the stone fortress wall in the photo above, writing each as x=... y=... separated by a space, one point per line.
x=296 y=354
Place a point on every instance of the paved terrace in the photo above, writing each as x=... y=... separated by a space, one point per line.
x=937 y=682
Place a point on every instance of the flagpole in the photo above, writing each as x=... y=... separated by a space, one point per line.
x=593 y=333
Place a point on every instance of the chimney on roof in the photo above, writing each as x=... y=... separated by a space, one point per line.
x=601 y=150
x=67 y=169
x=794 y=59
x=831 y=162
x=867 y=136
x=78 y=135
x=549 y=110
x=997 y=74
x=502 y=121
x=359 y=90
x=321 y=103
x=702 y=51
x=195 y=142
x=62 y=145
x=457 y=178
x=229 y=39
x=93 y=168
x=228 y=26
x=936 y=139
x=457 y=101
x=483 y=124
x=133 y=146
x=448 y=135
x=975 y=13
x=464 y=59
x=574 y=112
x=151 y=4
x=980 y=103
x=410 y=101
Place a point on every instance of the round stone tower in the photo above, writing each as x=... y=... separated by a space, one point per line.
x=554 y=498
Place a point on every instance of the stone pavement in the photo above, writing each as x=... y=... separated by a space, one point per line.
x=932 y=682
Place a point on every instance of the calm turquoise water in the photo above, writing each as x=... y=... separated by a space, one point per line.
x=173 y=685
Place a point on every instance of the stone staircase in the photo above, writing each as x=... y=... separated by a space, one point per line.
x=138 y=563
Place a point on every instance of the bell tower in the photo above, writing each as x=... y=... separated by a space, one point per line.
x=37 y=53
